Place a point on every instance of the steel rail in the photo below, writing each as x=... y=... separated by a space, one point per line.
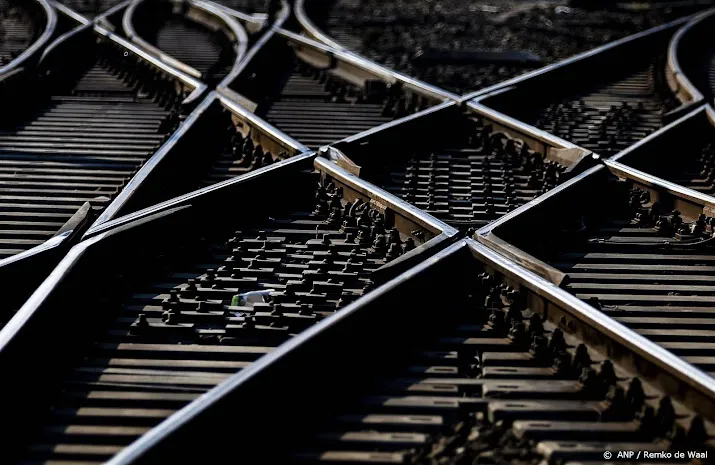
x=313 y=31
x=611 y=47
x=240 y=36
x=256 y=22
x=625 y=171
x=703 y=385
x=262 y=126
x=370 y=66
x=151 y=224
x=142 y=450
x=185 y=200
x=283 y=16
x=258 y=129
x=232 y=28
x=488 y=235
x=652 y=139
x=131 y=33
x=113 y=10
x=650 y=154
x=131 y=187
x=79 y=222
x=550 y=145
x=679 y=83
x=197 y=86
x=37 y=45
x=670 y=373
x=70 y=12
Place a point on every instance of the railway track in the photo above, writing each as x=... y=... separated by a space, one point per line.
x=96 y=125
x=70 y=148
x=692 y=138
x=319 y=96
x=605 y=111
x=436 y=43
x=180 y=306
x=20 y=27
x=492 y=377
x=498 y=384
x=233 y=142
x=183 y=322
x=642 y=257
x=457 y=166
x=90 y=8
x=693 y=57
x=202 y=41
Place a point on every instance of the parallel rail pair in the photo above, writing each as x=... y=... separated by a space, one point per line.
x=113 y=396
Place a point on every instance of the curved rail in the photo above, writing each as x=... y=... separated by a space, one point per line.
x=110 y=12
x=255 y=22
x=50 y=25
x=197 y=86
x=132 y=34
x=363 y=63
x=283 y=16
x=318 y=36
x=233 y=28
x=678 y=82
x=610 y=47
x=313 y=31
x=198 y=89
x=240 y=36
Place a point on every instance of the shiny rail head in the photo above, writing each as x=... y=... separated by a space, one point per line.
x=584 y=60
x=405 y=217
x=252 y=22
x=197 y=12
x=105 y=19
x=689 y=37
x=33 y=52
x=690 y=138
x=310 y=29
x=466 y=166
x=70 y=13
x=260 y=131
x=586 y=240
x=27 y=270
x=255 y=29
x=344 y=65
x=298 y=85
x=553 y=147
x=375 y=315
x=186 y=84
x=128 y=20
x=213 y=215
x=216 y=19
x=556 y=103
x=323 y=360
x=174 y=168
x=358 y=61
x=446 y=116
x=526 y=245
